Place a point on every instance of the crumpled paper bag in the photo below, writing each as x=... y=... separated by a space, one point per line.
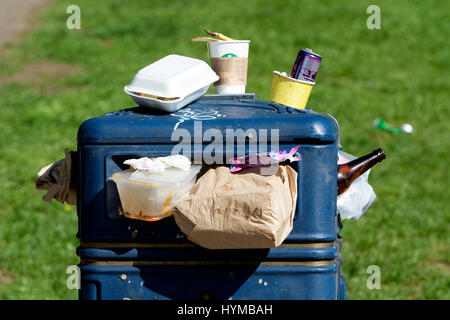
x=59 y=179
x=225 y=210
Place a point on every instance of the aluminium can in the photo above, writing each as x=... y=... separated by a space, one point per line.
x=306 y=65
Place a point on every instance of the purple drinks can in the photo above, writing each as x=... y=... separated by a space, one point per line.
x=306 y=65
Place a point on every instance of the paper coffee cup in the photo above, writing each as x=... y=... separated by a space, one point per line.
x=229 y=59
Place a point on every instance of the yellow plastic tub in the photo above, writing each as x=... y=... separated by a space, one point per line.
x=289 y=91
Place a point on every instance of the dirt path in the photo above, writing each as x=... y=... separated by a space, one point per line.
x=14 y=17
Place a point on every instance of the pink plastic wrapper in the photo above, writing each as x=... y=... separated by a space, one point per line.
x=263 y=159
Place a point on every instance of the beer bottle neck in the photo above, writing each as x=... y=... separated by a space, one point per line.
x=366 y=162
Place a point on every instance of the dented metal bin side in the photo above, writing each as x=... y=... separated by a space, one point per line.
x=189 y=251
x=111 y=271
x=219 y=280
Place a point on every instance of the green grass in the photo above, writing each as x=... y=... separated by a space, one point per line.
x=399 y=73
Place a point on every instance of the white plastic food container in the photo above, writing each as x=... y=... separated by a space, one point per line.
x=171 y=83
x=152 y=198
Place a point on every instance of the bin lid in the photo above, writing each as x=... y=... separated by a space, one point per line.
x=142 y=125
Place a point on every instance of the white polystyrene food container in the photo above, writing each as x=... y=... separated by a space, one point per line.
x=173 y=76
x=151 y=198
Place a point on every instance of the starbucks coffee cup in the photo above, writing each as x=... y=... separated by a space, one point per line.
x=229 y=59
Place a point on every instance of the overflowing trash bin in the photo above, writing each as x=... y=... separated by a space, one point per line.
x=129 y=258
x=191 y=196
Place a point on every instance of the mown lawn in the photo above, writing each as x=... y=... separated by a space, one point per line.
x=399 y=72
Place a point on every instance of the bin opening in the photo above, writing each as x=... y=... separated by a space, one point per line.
x=149 y=202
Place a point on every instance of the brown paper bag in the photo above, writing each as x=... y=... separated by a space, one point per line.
x=226 y=210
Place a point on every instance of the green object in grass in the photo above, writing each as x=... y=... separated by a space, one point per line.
x=381 y=124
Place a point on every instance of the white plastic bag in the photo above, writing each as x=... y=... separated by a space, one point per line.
x=359 y=197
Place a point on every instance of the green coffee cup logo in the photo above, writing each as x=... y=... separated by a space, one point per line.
x=229 y=55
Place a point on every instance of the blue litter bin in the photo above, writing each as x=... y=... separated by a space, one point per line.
x=132 y=259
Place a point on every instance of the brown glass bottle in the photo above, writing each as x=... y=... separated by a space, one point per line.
x=348 y=172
